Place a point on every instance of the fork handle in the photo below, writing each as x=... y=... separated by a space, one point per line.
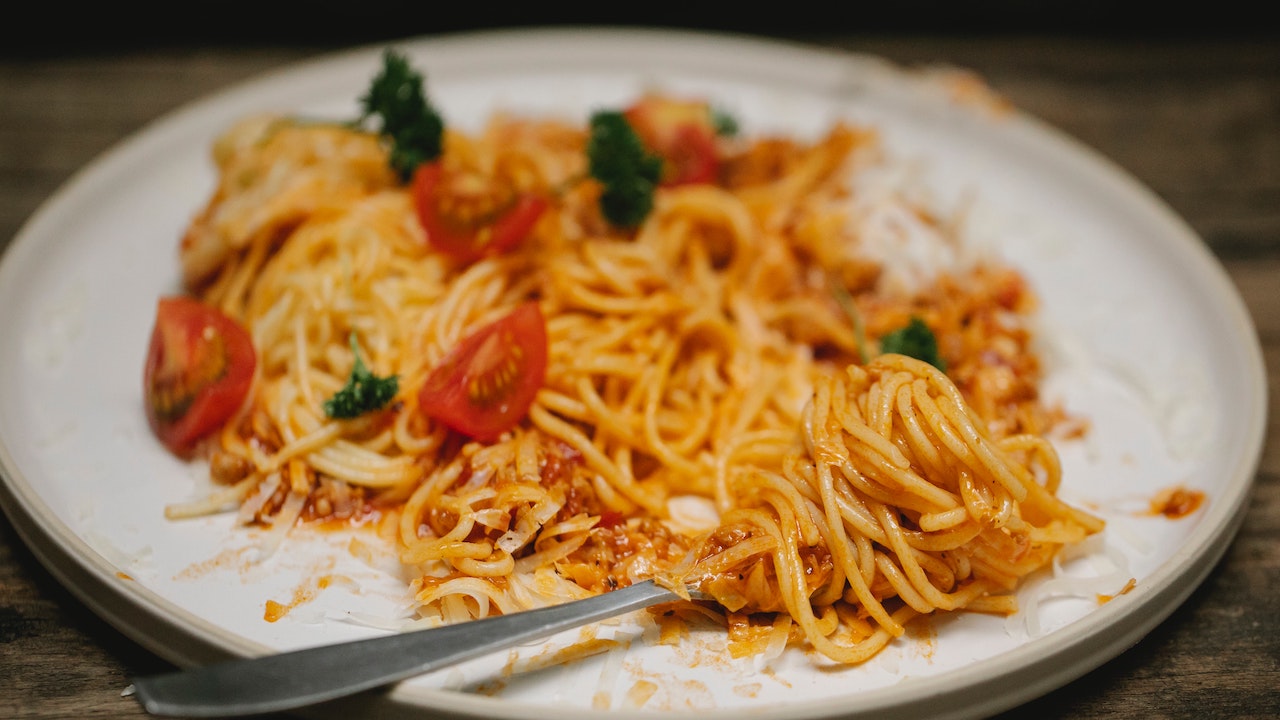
x=290 y=680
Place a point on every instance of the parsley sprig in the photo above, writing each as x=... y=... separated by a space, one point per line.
x=724 y=122
x=363 y=392
x=628 y=171
x=616 y=156
x=406 y=118
x=916 y=340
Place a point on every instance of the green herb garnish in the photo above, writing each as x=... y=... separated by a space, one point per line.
x=915 y=340
x=363 y=392
x=407 y=119
x=725 y=124
x=629 y=172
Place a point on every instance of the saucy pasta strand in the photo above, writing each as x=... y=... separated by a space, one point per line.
x=702 y=355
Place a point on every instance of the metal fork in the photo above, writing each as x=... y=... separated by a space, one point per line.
x=290 y=680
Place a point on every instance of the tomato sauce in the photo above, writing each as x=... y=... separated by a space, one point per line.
x=273 y=610
x=1177 y=502
x=1133 y=582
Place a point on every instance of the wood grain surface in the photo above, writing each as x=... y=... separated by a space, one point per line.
x=1196 y=120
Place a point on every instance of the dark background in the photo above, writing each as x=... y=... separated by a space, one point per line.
x=52 y=28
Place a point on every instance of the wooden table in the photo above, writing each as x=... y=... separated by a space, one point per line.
x=1196 y=120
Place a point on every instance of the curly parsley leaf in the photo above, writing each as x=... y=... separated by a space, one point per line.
x=397 y=98
x=726 y=125
x=629 y=172
x=915 y=340
x=363 y=392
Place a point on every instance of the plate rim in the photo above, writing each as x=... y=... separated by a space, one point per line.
x=81 y=569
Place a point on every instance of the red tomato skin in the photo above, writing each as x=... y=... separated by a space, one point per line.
x=692 y=155
x=185 y=331
x=471 y=244
x=681 y=132
x=447 y=395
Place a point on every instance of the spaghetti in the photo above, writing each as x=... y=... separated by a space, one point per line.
x=703 y=354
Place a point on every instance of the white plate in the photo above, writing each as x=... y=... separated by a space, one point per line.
x=1146 y=337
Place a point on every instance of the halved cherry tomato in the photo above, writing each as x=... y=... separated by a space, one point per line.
x=485 y=385
x=469 y=216
x=682 y=132
x=692 y=156
x=199 y=369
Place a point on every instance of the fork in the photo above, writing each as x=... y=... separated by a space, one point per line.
x=295 y=679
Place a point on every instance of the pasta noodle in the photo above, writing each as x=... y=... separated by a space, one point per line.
x=702 y=354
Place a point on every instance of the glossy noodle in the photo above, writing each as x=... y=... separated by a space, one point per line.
x=700 y=360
